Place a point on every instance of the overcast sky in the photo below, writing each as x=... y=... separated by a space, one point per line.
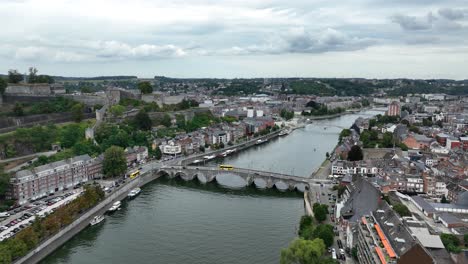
x=237 y=38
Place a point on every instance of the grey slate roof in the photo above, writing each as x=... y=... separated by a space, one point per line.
x=450 y=218
x=396 y=233
x=423 y=204
x=364 y=199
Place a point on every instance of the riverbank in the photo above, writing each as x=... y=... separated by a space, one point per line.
x=54 y=242
x=237 y=147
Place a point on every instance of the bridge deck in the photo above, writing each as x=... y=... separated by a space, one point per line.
x=253 y=172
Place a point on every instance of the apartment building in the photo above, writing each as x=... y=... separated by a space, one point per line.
x=46 y=179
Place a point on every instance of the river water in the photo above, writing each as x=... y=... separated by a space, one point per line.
x=172 y=221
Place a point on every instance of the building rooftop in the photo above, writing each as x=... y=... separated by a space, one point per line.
x=396 y=233
x=425 y=238
x=450 y=218
x=364 y=198
x=448 y=206
x=23 y=173
x=58 y=164
x=42 y=168
x=84 y=157
x=423 y=204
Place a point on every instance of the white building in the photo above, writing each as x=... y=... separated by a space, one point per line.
x=172 y=149
x=441 y=189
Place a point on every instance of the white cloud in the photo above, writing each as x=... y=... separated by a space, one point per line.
x=130 y=31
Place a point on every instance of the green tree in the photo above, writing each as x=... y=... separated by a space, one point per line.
x=324 y=232
x=86 y=89
x=18 y=109
x=117 y=110
x=17 y=247
x=284 y=113
x=143 y=121
x=85 y=147
x=355 y=153
x=320 y=211
x=354 y=253
x=145 y=87
x=4 y=182
x=340 y=188
x=444 y=199
x=157 y=153
x=70 y=135
x=344 y=133
x=302 y=251
x=166 y=120
x=387 y=140
x=115 y=162
x=403 y=146
x=451 y=242
x=78 y=112
x=14 y=76
x=180 y=121
x=32 y=75
x=365 y=102
x=3 y=86
x=401 y=209
x=427 y=121
x=201 y=148
x=465 y=239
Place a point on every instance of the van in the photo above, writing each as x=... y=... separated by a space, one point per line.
x=4 y=214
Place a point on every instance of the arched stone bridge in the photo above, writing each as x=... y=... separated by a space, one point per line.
x=261 y=179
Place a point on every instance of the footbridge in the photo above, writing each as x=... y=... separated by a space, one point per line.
x=261 y=179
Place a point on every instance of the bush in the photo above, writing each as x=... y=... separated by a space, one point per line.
x=401 y=209
x=451 y=243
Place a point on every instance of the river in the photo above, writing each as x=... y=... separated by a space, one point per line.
x=172 y=221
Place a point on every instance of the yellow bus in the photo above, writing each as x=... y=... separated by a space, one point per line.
x=134 y=174
x=226 y=167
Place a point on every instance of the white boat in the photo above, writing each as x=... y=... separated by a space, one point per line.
x=134 y=193
x=209 y=157
x=261 y=141
x=115 y=206
x=284 y=132
x=97 y=219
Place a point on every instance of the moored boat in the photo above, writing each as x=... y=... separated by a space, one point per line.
x=97 y=219
x=134 y=193
x=261 y=141
x=115 y=207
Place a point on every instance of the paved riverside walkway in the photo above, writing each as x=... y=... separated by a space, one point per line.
x=307 y=206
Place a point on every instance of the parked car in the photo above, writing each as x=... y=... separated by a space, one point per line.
x=4 y=214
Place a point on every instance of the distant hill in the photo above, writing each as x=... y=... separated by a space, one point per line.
x=97 y=78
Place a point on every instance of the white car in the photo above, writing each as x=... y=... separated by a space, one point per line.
x=4 y=214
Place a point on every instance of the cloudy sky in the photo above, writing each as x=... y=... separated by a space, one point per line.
x=237 y=38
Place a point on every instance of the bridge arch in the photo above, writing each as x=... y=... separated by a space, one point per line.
x=260 y=183
x=164 y=173
x=301 y=187
x=184 y=176
x=201 y=177
x=231 y=180
x=281 y=185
